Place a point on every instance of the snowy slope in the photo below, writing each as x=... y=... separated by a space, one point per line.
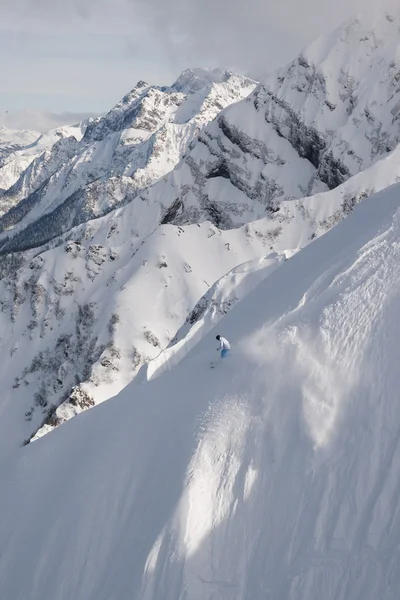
x=10 y=138
x=275 y=475
x=80 y=314
x=141 y=139
x=112 y=293
x=79 y=319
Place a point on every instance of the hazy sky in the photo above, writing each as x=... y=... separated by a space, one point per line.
x=83 y=55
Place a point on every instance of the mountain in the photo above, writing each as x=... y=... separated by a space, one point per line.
x=274 y=475
x=11 y=139
x=311 y=126
x=79 y=320
x=330 y=114
x=18 y=149
x=140 y=140
x=270 y=214
x=11 y=144
x=86 y=302
x=83 y=314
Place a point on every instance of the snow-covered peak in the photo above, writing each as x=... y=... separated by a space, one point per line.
x=119 y=117
x=139 y=88
x=193 y=80
x=365 y=51
x=140 y=140
x=13 y=141
x=359 y=37
x=344 y=90
x=148 y=107
x=271 y=157
x=331 y=113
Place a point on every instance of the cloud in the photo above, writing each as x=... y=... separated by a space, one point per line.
x=246 y=34
x=41 y=120
x=49 y=8
x=90 y=52
x=65 y=13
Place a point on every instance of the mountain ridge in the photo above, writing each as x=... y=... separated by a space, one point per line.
x=239 y=181
x=133 y=145
x=267 y=455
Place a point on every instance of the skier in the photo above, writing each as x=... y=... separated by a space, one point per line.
x=224 y=345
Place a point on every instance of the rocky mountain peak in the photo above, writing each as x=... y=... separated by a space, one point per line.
x=192 y=80
x=137 y=142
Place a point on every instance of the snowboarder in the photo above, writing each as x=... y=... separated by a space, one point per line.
x=224 y=345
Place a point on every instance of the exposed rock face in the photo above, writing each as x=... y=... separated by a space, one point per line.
x=140 y=140
x=330 y=114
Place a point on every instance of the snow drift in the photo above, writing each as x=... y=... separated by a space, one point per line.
x=275 y=475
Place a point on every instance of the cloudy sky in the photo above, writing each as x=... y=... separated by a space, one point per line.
x=81 y=56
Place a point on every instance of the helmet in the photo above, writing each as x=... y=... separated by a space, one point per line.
x=218 y=337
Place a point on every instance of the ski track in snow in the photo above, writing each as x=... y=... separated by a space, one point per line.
x=275 y=475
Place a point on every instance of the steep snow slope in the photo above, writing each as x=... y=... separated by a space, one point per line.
x=78 y=320
x=141 y=139
x=111 y=294
x=274 y=475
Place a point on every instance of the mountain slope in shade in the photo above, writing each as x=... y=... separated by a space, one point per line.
x=275 y=474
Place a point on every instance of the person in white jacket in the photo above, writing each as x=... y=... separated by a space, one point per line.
x=224 y=345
